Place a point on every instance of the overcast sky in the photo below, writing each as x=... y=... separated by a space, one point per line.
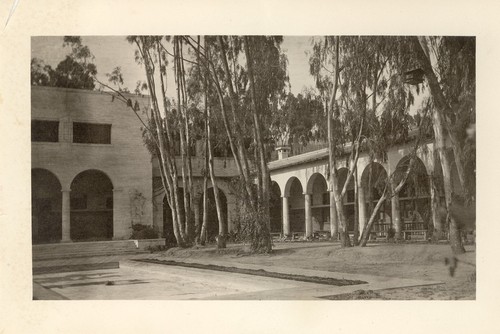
x=113 y=51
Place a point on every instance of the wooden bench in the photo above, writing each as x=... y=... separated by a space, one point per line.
x=275 y=235
x=321 y=235
x=415 y=234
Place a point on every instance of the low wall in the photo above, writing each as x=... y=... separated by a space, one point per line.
x=145 y=243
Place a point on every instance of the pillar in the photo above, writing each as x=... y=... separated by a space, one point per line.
x=361 y=208
x=397 y=224
x=286 y=216
x=65 y=213
x=308 y=214
x=334 y=222
x=437 y=223
x=121 y=214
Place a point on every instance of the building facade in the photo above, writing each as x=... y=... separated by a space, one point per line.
x=91 y=174
x=93 y=178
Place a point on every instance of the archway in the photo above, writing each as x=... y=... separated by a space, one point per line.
x=212 y=219
x=91 y=205
x=46 y=202
x=373 y=183
x=168 y=227
x=275 y=208
x=320 y=205
x=414 y=197
x=296 y=202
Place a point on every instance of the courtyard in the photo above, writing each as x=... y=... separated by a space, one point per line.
x=380 y=271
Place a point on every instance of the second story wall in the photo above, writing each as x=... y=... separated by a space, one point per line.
x=95 y=132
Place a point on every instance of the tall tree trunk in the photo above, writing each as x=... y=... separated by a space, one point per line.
x=204 y=225
x=445 y=111
x=397 y=224
x=437 y=232
x=189 y=212
x=438 y=116
x=367 y=230
x=180 y=116
x=265 y=178
x=455 y=239
x=221 y=240
x=263 y=198
x=334 y=186
x=355 y=238
x=235 y=144
x=164 y=145
x=203 y=233
x=233 y=99
x=370 y=187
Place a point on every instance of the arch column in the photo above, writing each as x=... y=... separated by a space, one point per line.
x=285 y=216
x=435 y=202
x=120 y=201
x=361 y=208
x=308 y=214
x=334 y=222
x=397 y=224
x=66 y=215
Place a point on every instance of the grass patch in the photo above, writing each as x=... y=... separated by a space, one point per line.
x=357 y=295
x=258 y=272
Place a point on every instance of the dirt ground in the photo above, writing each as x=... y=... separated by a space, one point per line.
x=424 y=261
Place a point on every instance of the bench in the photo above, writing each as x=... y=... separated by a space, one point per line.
x=275 y=235
x=321 y=235
x=415 y=234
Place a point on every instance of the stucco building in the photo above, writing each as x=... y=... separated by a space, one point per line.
x=92 y=178
x=89 y=165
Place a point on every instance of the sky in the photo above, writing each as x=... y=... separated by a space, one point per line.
x=113 y=51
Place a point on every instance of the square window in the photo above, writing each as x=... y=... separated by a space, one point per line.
x=88 y=133
x=45 y=131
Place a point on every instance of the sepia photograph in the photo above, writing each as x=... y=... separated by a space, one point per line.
x=249 y=167
x=253 y=167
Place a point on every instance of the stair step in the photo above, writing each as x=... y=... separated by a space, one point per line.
x=89 y=254
x=84 y=249
x=76 y=267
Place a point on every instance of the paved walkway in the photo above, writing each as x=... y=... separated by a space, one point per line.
x=138 y=280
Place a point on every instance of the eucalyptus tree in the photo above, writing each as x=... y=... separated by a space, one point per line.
x=323 y=63
x=412 y=52
x=76 y=70
x=248 y=74
x=168 y=124
x=449 y=67
x=360 y=80
x=297 y=119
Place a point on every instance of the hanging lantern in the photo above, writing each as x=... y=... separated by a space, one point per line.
x=414 y=77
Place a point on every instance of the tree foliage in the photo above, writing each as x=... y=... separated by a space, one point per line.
x=233 y=93
x=77 y=70
x=297 y=119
